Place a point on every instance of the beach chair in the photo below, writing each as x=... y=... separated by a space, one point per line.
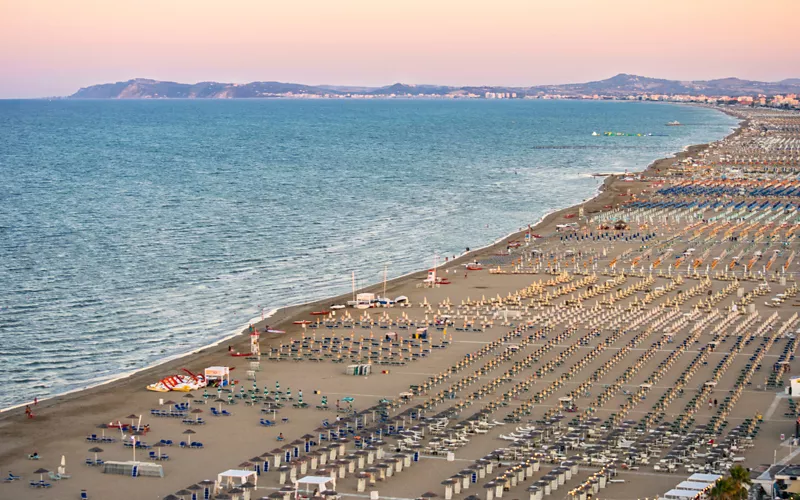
x=197 y=445
x=12 y=477
x=164 y=456
x=84 y=495
x=266 y=423
x=183 y=444
x=215 y=412
x=153 y=456
x=226 y=413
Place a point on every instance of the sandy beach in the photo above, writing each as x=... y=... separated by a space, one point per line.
x=567 y=342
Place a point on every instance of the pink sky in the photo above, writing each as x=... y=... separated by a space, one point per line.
x=53 y=47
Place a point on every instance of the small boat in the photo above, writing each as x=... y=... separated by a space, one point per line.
x=569 y=216
x=279 y=331
x=241 y=354
x=320 y=313
x=675 y=123
x=336 y=307
x=536 y=235
x=474 y=267
x=302 y=322
x=595 y=133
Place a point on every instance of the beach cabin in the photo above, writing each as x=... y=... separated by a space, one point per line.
x=133 y=469
x=358 y=370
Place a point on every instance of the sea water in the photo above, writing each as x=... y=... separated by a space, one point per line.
x=131 y=231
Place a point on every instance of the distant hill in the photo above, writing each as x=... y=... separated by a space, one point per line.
x=619 y=85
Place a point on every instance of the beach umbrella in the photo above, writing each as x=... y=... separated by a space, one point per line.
x=300 y=397
x=183 y=493
x=197 y=411
x=171 y=497
x=133 y=420
x=95 y=450
x=219 y=401
x=41 y=473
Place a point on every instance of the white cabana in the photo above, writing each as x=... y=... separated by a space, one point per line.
x=312 y=485
x=236 y=477
x=221 y=373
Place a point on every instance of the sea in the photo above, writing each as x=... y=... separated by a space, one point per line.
x=134 y=231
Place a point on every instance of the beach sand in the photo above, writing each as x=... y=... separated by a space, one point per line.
x=62 y=423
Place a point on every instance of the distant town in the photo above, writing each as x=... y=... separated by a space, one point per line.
x=776 y=101
x=782 y=94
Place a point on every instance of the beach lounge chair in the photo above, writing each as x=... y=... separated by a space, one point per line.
x=183 y=444
x=226 y=413
x=84 y=495
x=196 y=444
x=34 y=456
x=164 y=456
x=12 y=477
x=266 y=423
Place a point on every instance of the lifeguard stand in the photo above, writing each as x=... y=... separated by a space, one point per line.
x=255 y=347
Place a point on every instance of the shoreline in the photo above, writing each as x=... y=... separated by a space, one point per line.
x=282 y=318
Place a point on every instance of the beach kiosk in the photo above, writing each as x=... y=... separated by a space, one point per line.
x=794 y=386
x=221 y=374
x=235 y=477
x=313 y=486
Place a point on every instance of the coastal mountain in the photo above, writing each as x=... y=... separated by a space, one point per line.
x=619 y=85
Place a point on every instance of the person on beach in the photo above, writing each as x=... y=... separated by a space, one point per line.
x=28 y=412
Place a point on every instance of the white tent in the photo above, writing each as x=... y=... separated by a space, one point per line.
x=236 y=477
x=316 y=484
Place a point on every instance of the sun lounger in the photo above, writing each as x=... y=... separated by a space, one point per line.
x=12 y=477
x=84 y=495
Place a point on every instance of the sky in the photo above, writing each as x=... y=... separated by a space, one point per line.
x=54 y=47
